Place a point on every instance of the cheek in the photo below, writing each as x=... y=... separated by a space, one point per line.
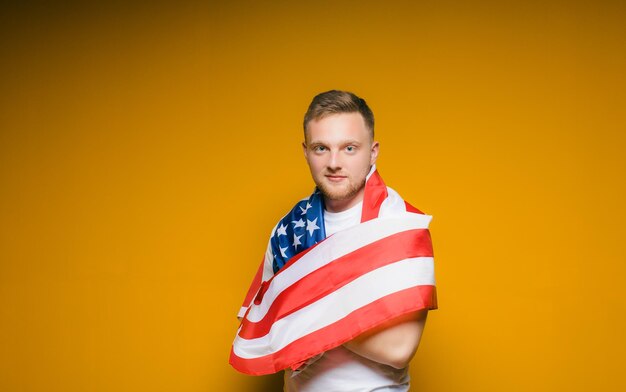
x=315 y=163
x=363 y=163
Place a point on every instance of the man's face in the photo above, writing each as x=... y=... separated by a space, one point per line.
x=340 y=152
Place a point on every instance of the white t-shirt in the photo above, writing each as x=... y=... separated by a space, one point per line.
x=340 y=369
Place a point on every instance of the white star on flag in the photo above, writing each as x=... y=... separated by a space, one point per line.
x=282 y=251
x=299 y=223
x=281 y=230
x=306 y=208
x=296 y=241
x=311 y=226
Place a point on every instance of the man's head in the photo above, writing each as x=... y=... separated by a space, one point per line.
x=335 y=102
x=339 y=147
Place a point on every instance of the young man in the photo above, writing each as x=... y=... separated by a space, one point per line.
x=331 y=306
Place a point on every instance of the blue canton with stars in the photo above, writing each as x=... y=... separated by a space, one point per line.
x=300 y=229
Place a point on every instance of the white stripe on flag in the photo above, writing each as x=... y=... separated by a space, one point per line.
x=365 y=289
x=335 y=246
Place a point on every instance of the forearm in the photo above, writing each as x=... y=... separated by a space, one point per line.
x=393 y=343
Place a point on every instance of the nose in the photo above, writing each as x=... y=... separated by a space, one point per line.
x=334 y=162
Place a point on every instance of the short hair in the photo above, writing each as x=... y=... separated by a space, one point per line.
x=335 y=102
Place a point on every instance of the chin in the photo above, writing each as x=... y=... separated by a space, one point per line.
x=335 y=197
x=344 y=193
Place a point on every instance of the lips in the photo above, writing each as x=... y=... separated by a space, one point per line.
x=333 y=178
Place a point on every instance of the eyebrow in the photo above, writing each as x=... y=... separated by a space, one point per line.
x=316 y=142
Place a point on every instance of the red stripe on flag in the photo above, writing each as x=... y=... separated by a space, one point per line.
x=367 y=317
x=410 y=208
x=339 y=272
x=254 y=287
x=375 y=194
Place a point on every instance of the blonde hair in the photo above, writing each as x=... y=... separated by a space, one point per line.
x=338 y=101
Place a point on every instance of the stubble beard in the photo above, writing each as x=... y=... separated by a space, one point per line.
x=351 y=191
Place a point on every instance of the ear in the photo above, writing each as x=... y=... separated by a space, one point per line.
x=304 y=151
x=374 y=152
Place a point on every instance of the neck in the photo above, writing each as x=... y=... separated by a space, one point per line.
x=342 y=205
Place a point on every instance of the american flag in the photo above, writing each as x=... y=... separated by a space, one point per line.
x=326 y=291
x=302 y=228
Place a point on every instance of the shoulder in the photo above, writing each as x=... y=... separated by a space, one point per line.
x=297 y=209
x=395 y=204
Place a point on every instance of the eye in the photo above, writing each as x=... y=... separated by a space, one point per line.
x=351 y=148
x=319 y=148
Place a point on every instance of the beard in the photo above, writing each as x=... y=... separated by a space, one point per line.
x=346 y=192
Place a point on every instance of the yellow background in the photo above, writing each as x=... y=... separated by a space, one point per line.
x=147 y=149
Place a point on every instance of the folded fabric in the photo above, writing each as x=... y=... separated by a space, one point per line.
x=339 y=287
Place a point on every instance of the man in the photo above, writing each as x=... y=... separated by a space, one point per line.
x=360 y=344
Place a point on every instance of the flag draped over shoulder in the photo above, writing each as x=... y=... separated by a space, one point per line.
x=326 y=291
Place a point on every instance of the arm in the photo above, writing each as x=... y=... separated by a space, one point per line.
x=393 y=343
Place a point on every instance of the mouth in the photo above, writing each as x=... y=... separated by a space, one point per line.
x=335 y=178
